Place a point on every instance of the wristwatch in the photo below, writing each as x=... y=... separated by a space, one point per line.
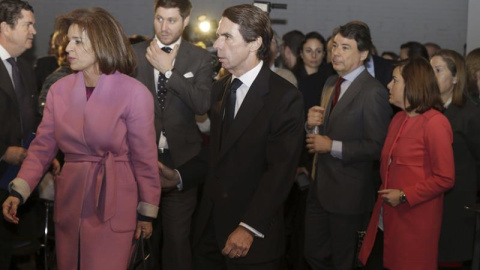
x=403 y=197
x=168 y=74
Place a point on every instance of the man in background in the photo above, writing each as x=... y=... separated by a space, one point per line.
x=179 y=76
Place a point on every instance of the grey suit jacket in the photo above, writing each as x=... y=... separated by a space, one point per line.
x=11 y=130
x=188 y=93
x=360 y=121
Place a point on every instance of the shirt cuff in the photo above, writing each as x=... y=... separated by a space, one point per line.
x=255 y=232
x=179 y=185
x=336 y=149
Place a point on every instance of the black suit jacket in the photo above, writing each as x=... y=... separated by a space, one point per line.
x=188 y=94
x=458 y=230
x=383 y=70
x=251 y=175
x=11 y=129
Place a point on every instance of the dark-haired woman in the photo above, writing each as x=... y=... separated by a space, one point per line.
x=102 y=120
x=417 y=167
x=458 y=225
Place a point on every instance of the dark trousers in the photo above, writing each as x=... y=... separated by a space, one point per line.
x=207 y=255
x=171 y=239
x=330 y=238
x=375 y=260
x=7 y=233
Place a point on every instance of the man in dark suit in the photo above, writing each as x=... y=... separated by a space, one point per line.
x=18 y=102
x=180 y=76
x=256 y=138
x=353 y=120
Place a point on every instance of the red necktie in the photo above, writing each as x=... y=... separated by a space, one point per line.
x=340 y=80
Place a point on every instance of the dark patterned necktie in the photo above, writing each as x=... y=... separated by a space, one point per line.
x=26 y=110
x=161 y=87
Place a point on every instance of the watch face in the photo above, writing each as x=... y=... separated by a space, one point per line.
x=168 y=74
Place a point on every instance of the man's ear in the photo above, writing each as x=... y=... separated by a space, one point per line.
x=186 y=21
x=363 y=55
x=256 y=44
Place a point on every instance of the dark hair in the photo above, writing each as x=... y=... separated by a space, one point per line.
x=253 y=23
x=299 y=66
x=456 y=65
x=421 y=87
x=109 y=42
x=415 y=49
x=11 y=11
x=434 y=45
x=313 y=35
x=393 y=55
x=359 y=32
x=293 y=40
x=473 y=66
x=185 y=6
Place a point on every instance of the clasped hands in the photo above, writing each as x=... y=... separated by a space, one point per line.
x=317 y=143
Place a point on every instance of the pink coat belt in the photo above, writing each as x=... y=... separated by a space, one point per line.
x=106 y=184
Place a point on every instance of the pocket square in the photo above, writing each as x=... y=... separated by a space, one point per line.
x=188 y=75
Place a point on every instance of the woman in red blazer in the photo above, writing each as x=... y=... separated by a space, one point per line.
x=417 y=168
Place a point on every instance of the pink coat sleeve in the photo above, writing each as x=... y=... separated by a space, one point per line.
x=141 y=141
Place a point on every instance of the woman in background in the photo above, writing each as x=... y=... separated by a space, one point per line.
x=416 y=168
x=102 y=119
x=458 y=223
x=312 y=53
x=473 y=74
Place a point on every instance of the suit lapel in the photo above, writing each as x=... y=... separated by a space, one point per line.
x=352 y=91
x=251 y=106
x=7 y=85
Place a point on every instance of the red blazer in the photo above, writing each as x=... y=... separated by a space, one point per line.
x=418 y=158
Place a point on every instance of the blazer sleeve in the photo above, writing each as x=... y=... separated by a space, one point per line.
x=141 y=140
x=438 y=140
x=376 y=118
x=194 y=91
x=282 y=156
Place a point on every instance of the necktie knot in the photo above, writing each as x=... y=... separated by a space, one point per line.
x=236 y=83
x=12 y=61
x=167 y=49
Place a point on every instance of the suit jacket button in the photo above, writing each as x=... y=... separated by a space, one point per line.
x=225 y=195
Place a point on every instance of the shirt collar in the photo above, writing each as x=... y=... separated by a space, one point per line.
x=161 y=45
x=354 y=74
x=248 y=77
x=447 y=103
x=3 y=53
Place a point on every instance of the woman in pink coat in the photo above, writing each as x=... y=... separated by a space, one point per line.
x=417 y=167
x=109 y=188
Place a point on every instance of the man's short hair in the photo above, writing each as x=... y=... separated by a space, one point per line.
x=358 y=32
x=11 y=11
x=253 y=23
x=293 y=40
x=185 y=6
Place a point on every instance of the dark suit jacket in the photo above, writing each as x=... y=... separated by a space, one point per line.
x=253 y=172
x=188 y=94
x=458 y=223
x=11 y=130
x=360 y=121
x=383 y=70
